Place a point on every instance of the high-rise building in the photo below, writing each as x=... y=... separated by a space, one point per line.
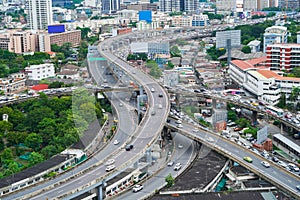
x=178 y=5
x=39 y=14
x=110 y=6
x=275 y=34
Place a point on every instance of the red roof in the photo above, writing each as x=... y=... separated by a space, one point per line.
x=39 y=87
x=242 y=64
x=256 y=61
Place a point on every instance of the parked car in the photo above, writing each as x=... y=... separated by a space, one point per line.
x=137 y=188
x=238 y=129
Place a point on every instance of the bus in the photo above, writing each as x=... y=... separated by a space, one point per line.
x=233 y=92
x=274 y=111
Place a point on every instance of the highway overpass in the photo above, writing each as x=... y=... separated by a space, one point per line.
x=281 y=178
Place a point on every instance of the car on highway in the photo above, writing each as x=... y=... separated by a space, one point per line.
x=116 y=142
x=265 y=163
x=160 y=95
x=152 y=90
x=137 y=188
x=282 y=164
x=275 y=159
x=128 y=147
x=153 y=112
x=179 y=126
x=298 y=187
x=159 y=106
x=120 y=104
x=110 y=168
x=248 y=159
x=195 y=130
x=293 y=167
x=170 y=164
x=110 y=162
x=180 y=146
x=179 y=121
x=210 y=139
x=177 y=166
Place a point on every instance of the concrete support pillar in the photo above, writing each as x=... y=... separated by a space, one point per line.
x=101 y=190
x=214 y=103
x=254 y=117
x=148 y=156
x=281 y=128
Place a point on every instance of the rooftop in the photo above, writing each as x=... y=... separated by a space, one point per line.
x=251 y=195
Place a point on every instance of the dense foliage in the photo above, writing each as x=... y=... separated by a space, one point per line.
x=38 y=129
x=12 y=62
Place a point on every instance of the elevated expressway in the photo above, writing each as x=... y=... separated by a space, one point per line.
x=254 y=109
x=276 y=175
x=146 y=133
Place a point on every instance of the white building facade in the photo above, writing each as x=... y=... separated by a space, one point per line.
x=39 y=14
x=39 y=72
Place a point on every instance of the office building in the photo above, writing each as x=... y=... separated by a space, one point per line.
x=110 y=6
x=200 y=20
x=265 y=84
x=275 y=34
x=283 y=56
x=39 y=14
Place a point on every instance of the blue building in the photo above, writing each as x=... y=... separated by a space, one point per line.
x=145 y=15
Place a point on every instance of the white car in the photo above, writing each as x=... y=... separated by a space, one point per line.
x=110 y=168
x=195 y=130
x=152 y=90
x=137 y=188
x=110 y=162
x=282 y=164
x=179 y=126
x=180 y=146
x=179 y=121
x=210 y=139
x=266 y=164
x=177 y=166
x=116 y=142
x=170 y=164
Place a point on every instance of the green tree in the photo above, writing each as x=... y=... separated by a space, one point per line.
x=243 y=123
x=155 y=71
x=34 y=141
x=4 y=70
x=5 y=126
x=246 y=49
x=84 y=32
x=232 y=115
x=35 y=158
x=175 y=52
x=282 y=101
x=15 y=138
x=49 y=151
x=170 y=65
x=12 y=168
x=170 y=180
x=6 y=154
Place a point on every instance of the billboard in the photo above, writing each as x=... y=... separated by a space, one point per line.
x=262 y=135
x=234 y=38
x=59 y=28
x=145 y=15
